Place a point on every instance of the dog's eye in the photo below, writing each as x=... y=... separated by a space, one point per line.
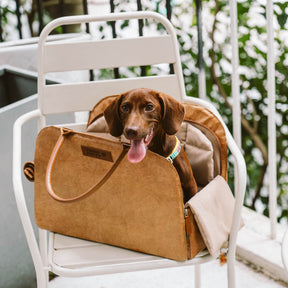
x=149 y=107
x=125 y=108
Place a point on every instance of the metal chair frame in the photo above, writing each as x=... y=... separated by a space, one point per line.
x=62 y=98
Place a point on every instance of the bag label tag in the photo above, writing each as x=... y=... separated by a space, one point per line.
x=97 y=153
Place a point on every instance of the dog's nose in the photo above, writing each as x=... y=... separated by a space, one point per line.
x=131 y=132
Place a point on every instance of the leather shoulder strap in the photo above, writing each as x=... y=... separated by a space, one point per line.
x=97 y=185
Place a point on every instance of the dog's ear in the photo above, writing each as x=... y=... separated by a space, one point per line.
x=112 y=117
x=172 y=113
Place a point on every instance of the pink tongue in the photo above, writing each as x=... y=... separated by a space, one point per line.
x=137 y=151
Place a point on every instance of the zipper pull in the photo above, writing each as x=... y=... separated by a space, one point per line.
x=187 y=222
x=188 y=231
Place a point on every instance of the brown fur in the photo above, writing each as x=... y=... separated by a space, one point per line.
x=136 y=112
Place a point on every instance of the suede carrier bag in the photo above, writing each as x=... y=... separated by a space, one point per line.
x=86 y=188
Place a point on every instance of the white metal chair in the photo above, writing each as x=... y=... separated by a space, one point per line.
x=67 y=256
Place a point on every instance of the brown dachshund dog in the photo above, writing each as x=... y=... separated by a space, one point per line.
x=149 y=120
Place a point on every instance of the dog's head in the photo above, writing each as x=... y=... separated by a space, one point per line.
x=140 y=112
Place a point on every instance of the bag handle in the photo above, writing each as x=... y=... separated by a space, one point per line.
x=56 y=149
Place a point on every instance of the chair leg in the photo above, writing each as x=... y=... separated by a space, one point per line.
x=43 y=236
x=42 y=279
x=231 y=272
x=197 y=276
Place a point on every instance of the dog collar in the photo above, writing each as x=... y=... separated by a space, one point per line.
x=175 y=151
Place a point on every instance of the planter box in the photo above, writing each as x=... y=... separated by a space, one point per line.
x=16 y=84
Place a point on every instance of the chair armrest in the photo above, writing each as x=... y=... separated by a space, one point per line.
x=239 y=184
x=18 y=187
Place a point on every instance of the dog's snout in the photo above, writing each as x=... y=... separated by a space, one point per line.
x=131 y=132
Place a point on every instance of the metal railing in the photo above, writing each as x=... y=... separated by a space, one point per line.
x=271 y=120
x=237 y=104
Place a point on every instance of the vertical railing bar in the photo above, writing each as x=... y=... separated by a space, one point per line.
x=272 y=171
x=169 y=16
x=62 y=7
x=201 y=76
x=235 y=74
x=40 y=15
x=87 y=25
x=19 y=25
x=140 y=21
x=1 y=30
x=85 y=11
x=168 y=9
x=140 y=31
x=114 y=34
x=62 y=13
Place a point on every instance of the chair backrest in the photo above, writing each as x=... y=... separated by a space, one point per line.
x=61 y=56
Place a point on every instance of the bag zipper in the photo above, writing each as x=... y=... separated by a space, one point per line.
x=188 y=231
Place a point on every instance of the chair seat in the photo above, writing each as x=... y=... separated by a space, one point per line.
x=69 y=254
